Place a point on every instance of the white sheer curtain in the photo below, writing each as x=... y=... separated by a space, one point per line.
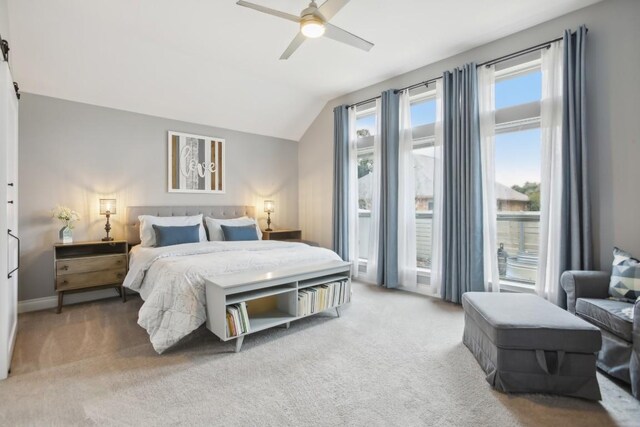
x=407 y=264
x=353 y=194
x=374 y=223
x=435 y=282
x=551 y=173
x=487 y=110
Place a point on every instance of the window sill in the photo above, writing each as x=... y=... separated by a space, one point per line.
x=510 y=286
x=505 y=285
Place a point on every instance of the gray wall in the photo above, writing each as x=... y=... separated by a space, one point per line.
x=613 y=64
x=73 y=153
x=4 y=21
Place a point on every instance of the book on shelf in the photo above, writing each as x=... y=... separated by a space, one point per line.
x=237 y=319
x=322 y=297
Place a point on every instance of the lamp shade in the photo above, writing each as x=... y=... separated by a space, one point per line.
x=269 y=206
x=107 y=205
x=312 y=28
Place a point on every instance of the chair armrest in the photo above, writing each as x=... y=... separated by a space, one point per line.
x=584 y=284
x=636 y=326
x=634 y=362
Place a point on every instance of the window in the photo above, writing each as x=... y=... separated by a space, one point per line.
x=423 y=109
x=423 y=118
x=366 y=125
x=517 y=161
x=517 y=165
x=519 y=89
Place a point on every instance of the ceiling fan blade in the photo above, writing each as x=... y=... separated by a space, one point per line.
x=269 y=11
x=331 y=7
x=295 y=43
x=340 y=35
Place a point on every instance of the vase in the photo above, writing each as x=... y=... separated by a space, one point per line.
x=66 y=235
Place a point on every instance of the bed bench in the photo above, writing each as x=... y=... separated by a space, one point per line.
x=526 y=344
x=273 y=297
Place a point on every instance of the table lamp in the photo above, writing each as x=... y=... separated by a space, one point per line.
x=107 y=207
x=269 y=207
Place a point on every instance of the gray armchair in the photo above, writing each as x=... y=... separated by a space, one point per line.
x=587 y=297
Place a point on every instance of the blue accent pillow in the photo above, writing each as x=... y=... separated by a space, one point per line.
x=176 y=235
x=237 y=233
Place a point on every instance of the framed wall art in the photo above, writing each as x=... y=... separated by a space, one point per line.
x=196 y=163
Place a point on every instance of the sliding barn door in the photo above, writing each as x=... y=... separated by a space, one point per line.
x=9 y=243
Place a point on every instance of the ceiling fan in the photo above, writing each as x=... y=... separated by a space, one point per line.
x=314 y=22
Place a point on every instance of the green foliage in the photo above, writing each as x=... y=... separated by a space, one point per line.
x=531 y=189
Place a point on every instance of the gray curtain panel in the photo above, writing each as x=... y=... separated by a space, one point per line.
x=462 y=253
x=387 y=272
x=576 y=246
x=341 y=181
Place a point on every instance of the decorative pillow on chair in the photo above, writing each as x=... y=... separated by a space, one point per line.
x=240 y=232
x=176 y=235
x=625 y=276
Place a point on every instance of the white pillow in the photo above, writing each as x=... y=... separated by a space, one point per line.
x=148 y=234
x=215 y=231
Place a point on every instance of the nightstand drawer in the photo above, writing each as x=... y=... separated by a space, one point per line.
x=83 y=280
x=90 y=264
x=282 y=235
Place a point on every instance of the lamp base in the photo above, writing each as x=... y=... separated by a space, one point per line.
x=107 y=228
x=268 y=222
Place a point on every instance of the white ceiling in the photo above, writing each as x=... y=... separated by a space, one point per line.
x=216 y=63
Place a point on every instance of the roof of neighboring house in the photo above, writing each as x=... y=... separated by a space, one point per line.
x=424 y=166
x=507 y=193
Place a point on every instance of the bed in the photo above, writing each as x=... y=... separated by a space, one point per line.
x=170 y=279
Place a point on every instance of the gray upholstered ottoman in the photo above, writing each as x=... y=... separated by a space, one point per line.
x=525 y=344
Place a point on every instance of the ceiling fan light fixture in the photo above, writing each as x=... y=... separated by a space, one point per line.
x=312 y=27
x=313 y=22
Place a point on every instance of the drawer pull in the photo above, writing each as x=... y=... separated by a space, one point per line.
x=120 y=275
x=64 y=267
x=64 y=282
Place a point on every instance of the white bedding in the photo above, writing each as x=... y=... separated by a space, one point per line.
x=170 y=279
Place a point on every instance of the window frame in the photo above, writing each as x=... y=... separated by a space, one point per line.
x=423 y=136
x=518 y=118
x=521 y=116
x=364 y=146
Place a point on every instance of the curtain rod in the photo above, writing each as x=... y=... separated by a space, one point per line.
x=540 y=46
x=366 y=101
x=545 y=45
x=424 y=83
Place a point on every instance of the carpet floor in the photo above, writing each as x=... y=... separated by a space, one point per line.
x=392 y=358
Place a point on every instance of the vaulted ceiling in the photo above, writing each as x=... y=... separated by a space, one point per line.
x=216 y=63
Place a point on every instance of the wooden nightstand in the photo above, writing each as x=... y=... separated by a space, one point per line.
x=282 y=235
x=87 y=266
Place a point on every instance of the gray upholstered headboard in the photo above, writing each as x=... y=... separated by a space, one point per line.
x=132 y=225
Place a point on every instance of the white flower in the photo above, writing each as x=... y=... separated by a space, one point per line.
x=67 y=215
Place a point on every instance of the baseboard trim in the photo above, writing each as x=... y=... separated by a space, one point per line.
x=46 y=303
